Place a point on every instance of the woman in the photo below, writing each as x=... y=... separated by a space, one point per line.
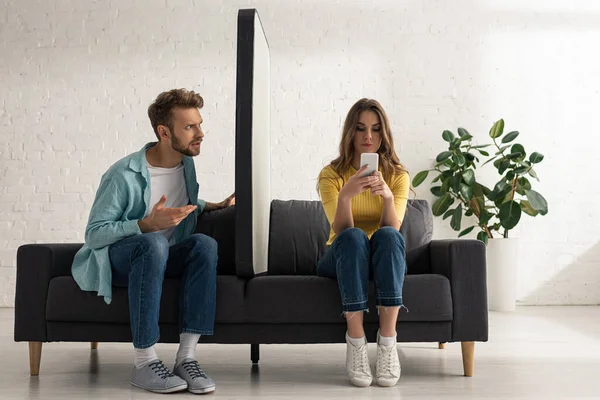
x=364 y=242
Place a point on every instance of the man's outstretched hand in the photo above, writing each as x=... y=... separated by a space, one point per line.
x=163 y=217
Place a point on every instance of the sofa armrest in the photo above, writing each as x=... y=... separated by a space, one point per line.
x=463 y=263
x=37 y=264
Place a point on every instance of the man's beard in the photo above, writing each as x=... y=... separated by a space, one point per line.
x=179 y=147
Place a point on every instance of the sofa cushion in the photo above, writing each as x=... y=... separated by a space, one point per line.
x=220 y=225
x=312 y=299
x=299 y=233
x=67 y=302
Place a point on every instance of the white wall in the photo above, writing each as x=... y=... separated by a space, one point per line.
x=76 y=78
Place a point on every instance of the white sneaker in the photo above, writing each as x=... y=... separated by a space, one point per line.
x=357 y=363
x=387 y=369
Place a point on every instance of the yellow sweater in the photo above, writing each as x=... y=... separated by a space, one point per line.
x=366 y=208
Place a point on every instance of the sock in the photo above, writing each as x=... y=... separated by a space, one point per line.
x=143 y=357
x=356 y=342
x=386 y=341
x=187 y=346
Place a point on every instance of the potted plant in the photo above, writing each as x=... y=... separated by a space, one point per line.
x=494 y=211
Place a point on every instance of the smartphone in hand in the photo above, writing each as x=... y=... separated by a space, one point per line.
x=372 y=162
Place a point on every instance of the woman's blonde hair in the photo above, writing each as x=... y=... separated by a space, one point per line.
x=388 y=159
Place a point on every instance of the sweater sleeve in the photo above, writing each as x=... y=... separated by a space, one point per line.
x=329 y=190
x=400 y=188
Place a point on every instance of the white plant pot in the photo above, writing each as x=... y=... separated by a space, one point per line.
x=502 y=257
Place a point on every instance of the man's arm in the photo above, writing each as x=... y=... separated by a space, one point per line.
x=217 y=206
x=104 y=226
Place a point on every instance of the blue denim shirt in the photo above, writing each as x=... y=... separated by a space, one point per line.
x=121 y=201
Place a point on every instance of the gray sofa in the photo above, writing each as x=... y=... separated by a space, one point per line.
x=444 y=291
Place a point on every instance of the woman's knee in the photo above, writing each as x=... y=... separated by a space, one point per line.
x=354 y=236
x=388 y=235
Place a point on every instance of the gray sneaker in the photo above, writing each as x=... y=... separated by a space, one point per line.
x=155 y=377
x=197 y=381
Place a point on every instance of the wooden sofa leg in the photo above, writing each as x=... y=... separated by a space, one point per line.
x=94 y=345
x=468 y=356
x=442 y=345
x=35 y=356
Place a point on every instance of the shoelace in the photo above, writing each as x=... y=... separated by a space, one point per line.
x=193 y=368
x=385 y=362
x=359 y=361
x=159 y=368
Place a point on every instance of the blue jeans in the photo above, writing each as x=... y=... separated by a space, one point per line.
x=353 y=259
x=141 y=263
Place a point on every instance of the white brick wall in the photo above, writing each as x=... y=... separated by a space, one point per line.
x=76 y=78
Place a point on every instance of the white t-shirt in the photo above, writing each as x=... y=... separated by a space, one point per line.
x=171 y=183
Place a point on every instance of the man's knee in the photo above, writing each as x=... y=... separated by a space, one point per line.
x=205 y=247
x=154 y=245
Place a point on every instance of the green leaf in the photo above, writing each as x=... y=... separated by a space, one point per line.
x=447 y=162
x=448 y=214
x=443 y=156
x=536 y=157
x=534 y=174
x=538 y=202
x=419 y=178
x=510 y=175
x=445 y=185
x=455 y=143
x=459 y=159
x=456 y=183
x=485 y=217
x=466 y=137
x=442 y=204
x=500 y=190
x=437 y=178
x=483 y=236
x=466 y=231
x=510 y=214
x=436 y=191
x=466 y=191
x=514 y=156
x=518 y=148
x=481 y=146
x=503 y=148
x=470 y=157
x=448 y=136
x=497 y=129
x=463 y=132
x=510 y=137
x=483 y=153
x=490 y=160
x=469 y=176
x=455 y=222
x=523 y=183
x=527 y=208
x=521 y=170
x=469 y=212
x=503 y=165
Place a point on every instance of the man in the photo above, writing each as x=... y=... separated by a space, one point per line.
x=141 y=228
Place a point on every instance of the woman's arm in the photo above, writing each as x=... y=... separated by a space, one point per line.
x=394 y=199
x=389 y=217
x=338 y=202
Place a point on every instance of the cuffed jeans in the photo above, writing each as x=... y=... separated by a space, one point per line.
x=142 y=262
x=353 y=259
